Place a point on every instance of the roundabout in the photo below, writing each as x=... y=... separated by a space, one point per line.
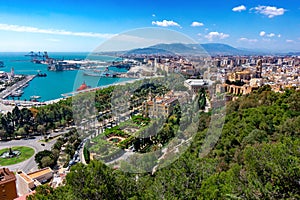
x=15 y=155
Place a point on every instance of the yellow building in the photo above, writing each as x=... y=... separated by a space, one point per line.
x=245 y=75
x=236 y=90
x=41 y=175
x=159 y=106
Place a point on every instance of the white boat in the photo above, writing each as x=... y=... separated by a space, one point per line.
x=35 y=97
x=17 y=93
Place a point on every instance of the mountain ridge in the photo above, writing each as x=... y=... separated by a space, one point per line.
x=206 y=49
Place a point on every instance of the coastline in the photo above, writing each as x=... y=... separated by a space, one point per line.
x=55 y=83
x=8 y=105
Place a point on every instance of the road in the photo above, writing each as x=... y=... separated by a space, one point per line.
x=28 y=165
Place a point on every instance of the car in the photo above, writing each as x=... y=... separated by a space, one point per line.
x=43 y=144
x=72 y=162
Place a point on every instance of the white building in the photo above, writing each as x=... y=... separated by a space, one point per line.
x=195 y=85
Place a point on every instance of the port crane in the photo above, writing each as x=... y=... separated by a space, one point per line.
x=38 y=57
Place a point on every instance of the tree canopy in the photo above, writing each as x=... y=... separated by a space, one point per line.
x=256 y=157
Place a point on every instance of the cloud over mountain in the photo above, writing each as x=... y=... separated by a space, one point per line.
x=216 y=35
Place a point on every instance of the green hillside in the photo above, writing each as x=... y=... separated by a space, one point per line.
x=257 y=157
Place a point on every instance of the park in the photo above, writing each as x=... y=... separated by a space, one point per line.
x=15 y=155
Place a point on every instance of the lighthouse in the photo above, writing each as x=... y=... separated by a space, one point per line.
x=12 y=72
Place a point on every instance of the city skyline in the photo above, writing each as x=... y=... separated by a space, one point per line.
x=82 y=26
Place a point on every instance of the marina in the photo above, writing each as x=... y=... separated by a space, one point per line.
x=16 y=89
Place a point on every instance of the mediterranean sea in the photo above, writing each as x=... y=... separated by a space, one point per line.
x=55 y=83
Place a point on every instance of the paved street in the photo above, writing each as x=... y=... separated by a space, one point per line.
x=6 y=108
x=30 y=164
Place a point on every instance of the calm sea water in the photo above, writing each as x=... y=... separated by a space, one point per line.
x=56 y=83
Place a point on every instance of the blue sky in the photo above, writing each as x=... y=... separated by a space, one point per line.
x=81 y=26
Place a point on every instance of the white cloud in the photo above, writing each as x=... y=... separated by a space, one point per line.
x=29 y=29
x=262 y=33
x=53 y=40
x=248 y=40
x=153 y=15
x=212 y=35
x=270 y=11
x=165 y=23
x=239 y=8
x=195 y=24
x=271 y=35
x=289 y=41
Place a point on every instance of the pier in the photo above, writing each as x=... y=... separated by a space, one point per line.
x=20 y=84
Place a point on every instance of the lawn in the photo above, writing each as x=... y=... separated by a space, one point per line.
x=26 y=152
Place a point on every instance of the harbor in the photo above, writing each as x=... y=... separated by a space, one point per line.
x=48 y=84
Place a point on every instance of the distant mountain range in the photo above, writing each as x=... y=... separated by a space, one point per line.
x=191 y=49
x=294 y=53
x=212 y=49
x=224 y=49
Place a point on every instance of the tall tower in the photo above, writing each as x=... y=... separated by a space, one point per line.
x=155 y=64
x=259 y=69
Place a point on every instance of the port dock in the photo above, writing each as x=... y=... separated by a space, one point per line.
x=18 y=85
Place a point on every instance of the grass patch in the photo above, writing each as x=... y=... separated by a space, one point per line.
x=26 y=153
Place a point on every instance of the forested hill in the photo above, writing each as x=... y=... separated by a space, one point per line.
x=257 y=157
